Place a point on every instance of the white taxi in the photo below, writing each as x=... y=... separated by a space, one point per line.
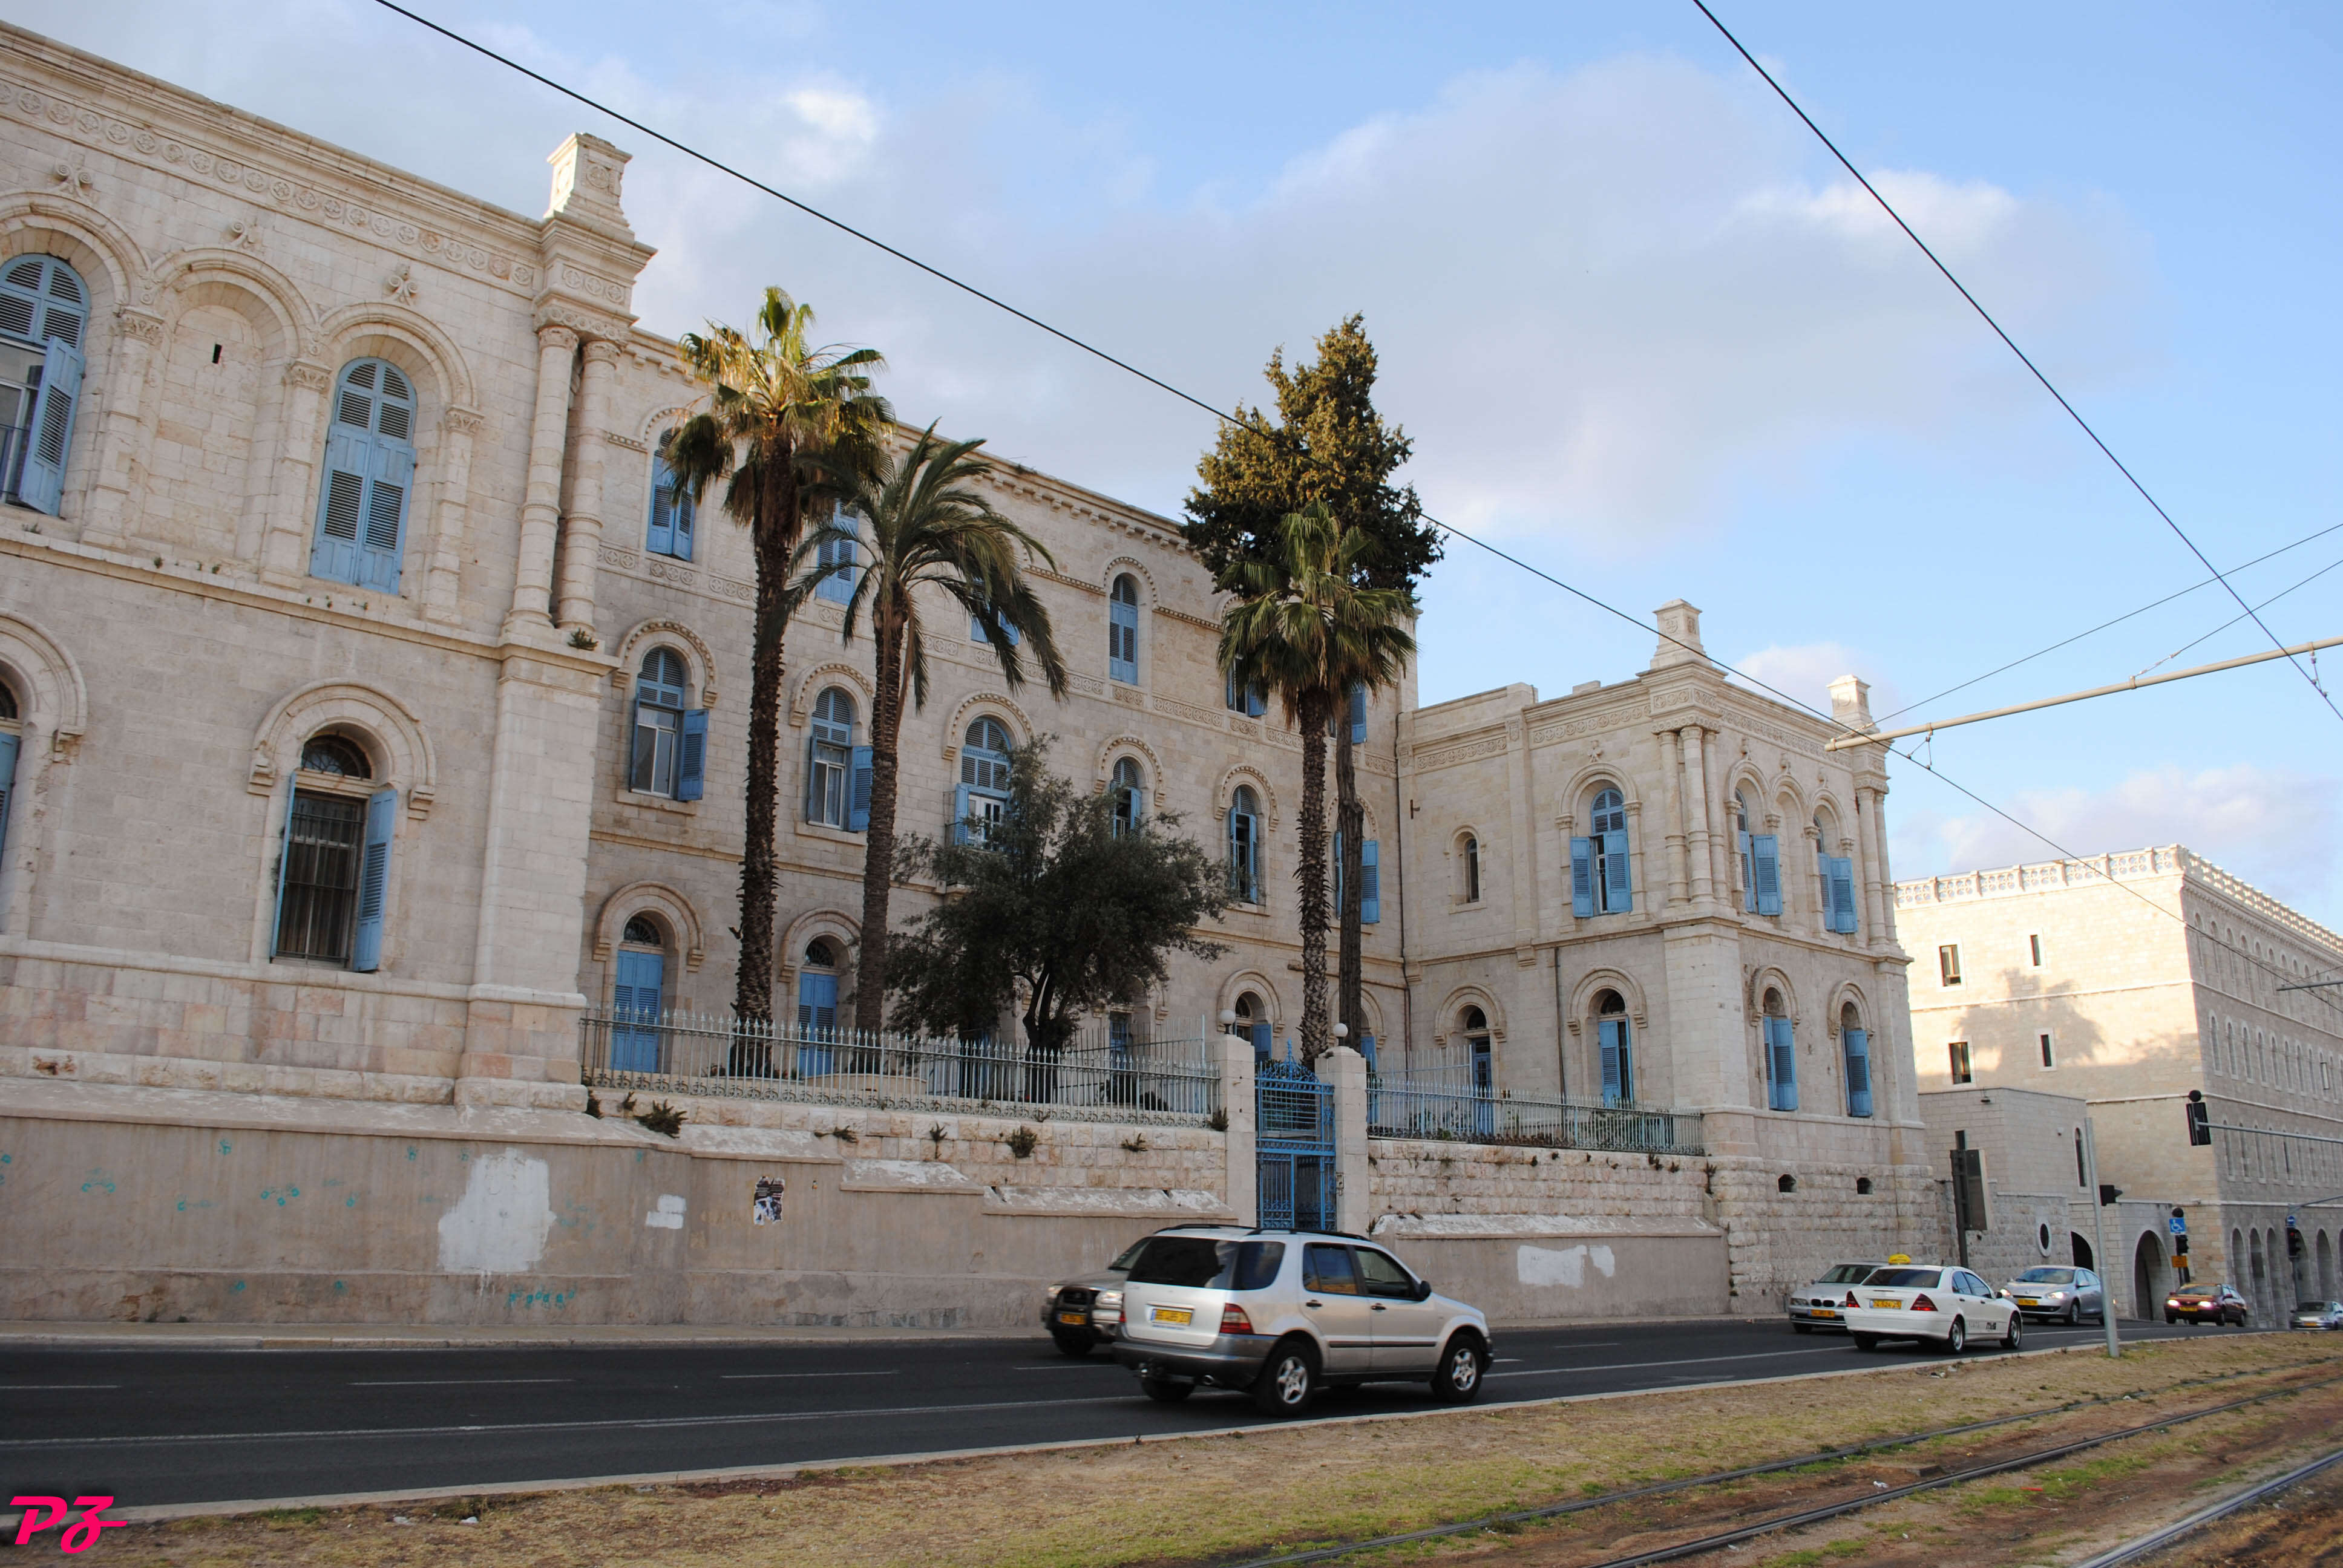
x=1930 y=1302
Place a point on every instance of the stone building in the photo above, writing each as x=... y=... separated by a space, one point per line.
x=1663 y=890
x=2128 y=981
x=372 y=710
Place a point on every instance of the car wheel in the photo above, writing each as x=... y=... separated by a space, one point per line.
x=1288 y=1380
x=1957 y=1337
x=1802 y=1328
x=2015 y=1335
x=1866 y=1342
x=1071 y=1344
x=2169 y=1320
x=1462 y=1365
x=2074 y=1314
x=1165 y=1389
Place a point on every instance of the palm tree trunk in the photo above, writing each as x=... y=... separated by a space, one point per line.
x=878 y=842
x=1351 y=822
x=1312 y=875
x=774 y=538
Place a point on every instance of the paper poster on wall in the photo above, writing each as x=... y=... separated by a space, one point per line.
x=768 y=1208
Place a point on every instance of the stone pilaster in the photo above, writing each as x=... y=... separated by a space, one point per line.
x=581 y=530
x=122 y=435
x=541 y=510
x=284 y=543
x=444 y=580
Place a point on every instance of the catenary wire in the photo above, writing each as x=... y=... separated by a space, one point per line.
x=2234 y=619
x=2102 y=625
x=1449 y=530
x=1987 y=316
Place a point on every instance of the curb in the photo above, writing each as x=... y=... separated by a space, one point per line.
x=161 y=1512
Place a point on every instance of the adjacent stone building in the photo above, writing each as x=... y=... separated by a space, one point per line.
x=2128 y=981
x=373 y=710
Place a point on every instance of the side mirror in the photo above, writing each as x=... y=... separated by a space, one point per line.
x=1424 y=1290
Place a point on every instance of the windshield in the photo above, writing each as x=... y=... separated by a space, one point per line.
x=1847 y=1274
x=2047 y=1277
x=2312 y=1307
x=1121 y=1266
x=1200 y=1262
x=1906 y=1279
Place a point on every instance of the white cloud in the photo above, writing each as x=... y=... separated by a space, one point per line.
x=1804 y=671
x=2275 y=828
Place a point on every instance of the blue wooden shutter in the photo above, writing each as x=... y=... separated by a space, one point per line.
x=681 y=509
x=814 y=778
x=1262 y=1042
x=692 y=756
x=1748 y=877
x=42 y=486
x=961 y=810
x=858 y=808
x=1367 y=1050
x=1370 y=883
x=1618 y=885
x=1782 y=1049
x=1358 y=715
x=1122 y=641
x=381 y=542
x=1842 y=890
x=1582 y=878
x=1613 y=1034
x=374 y=880
x=817 y=1003
x=341 y=504
x=1767 y=849
x=284 y=855
x=1859 y=1072
x=635 y=1000
x=1256 y=702
x=7 y=782
x=661 y=538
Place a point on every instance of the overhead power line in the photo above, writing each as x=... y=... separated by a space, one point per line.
x=1987 y=316
x=1635 y=620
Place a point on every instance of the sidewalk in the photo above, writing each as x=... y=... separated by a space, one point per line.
x=22 y=1335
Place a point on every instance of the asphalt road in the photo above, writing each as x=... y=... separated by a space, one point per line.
x=180 y=1426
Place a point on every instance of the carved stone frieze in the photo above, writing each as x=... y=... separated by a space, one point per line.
x=181 y=155
x=616 y=558
x=591 y=325
x=138 y=324
x=462 y=421
x=307 y=376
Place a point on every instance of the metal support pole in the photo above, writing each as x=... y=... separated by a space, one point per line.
x=2100 y=1241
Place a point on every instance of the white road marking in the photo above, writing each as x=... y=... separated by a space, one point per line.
x=458 y=1382
x=31 y=1387
x=767 y=1376
x=1679 y=1361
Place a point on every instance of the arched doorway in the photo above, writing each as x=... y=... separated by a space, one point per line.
x=2149 y=1279
x=2326 y=1268
x=1252 y=1022
x=1616 y=1048
x=1473 y=1024
x=2081 y=1250
x=2260 y=1292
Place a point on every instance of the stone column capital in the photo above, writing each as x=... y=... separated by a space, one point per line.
x=554 y=335
x=601 y=351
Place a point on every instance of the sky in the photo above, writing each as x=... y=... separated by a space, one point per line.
x=1644 y=331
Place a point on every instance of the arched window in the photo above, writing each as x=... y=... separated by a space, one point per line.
x=1122 y=631
x=1617 y=1048
x=1474 y=1025
x=673 y=512
x=1469 y=853
x=1129 y=792
x=838 y=559
x=369 y=469
x=670 y=754
x=11 y=736
x=42 y=311
x=638 y=995
x=1601 y=883
x=1252 y=1022
x=1249 y=701
x=336 y=754
x=983 y=796
x=333 y=870
x=1244 y=845
x=1854 y=1044
x=1834 y=880
x=837 y=771
x=1761 y=861
x=1781 y=1054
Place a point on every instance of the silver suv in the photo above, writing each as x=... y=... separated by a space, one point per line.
x=1282 y=1314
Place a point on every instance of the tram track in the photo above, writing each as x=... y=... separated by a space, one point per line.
x=1716 y=1540
x=2161 y=1539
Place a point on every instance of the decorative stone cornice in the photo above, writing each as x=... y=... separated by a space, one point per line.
x=585 y=323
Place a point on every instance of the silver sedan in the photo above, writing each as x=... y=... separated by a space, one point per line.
x=2066 y=1295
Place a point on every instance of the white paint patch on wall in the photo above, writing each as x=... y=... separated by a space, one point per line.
x=1563 y=1265
x=668 y=1216
x=500 y=1224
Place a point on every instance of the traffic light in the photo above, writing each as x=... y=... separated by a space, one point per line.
x=2199 y=1131
x=2108 y=1193
x=2293 y=1243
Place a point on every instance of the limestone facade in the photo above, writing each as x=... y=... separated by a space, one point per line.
x=2128 y=981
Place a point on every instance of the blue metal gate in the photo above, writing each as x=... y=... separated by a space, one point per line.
x=1294 y=1132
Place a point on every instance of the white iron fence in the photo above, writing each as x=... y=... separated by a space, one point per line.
x=1104 y=1074
x=1447 y=1105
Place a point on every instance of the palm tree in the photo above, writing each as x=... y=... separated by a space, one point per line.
x=785 y=420
x=1303 y=627
x=929 y=528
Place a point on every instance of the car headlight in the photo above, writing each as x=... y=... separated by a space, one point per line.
x=1107 y=1307
x=1054 y=1291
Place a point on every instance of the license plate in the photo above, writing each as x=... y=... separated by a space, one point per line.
x=1074 y=1318
x=1826 y=1312
x=2028 y=1302
x=1888 y=1306
x=1178 y=1317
